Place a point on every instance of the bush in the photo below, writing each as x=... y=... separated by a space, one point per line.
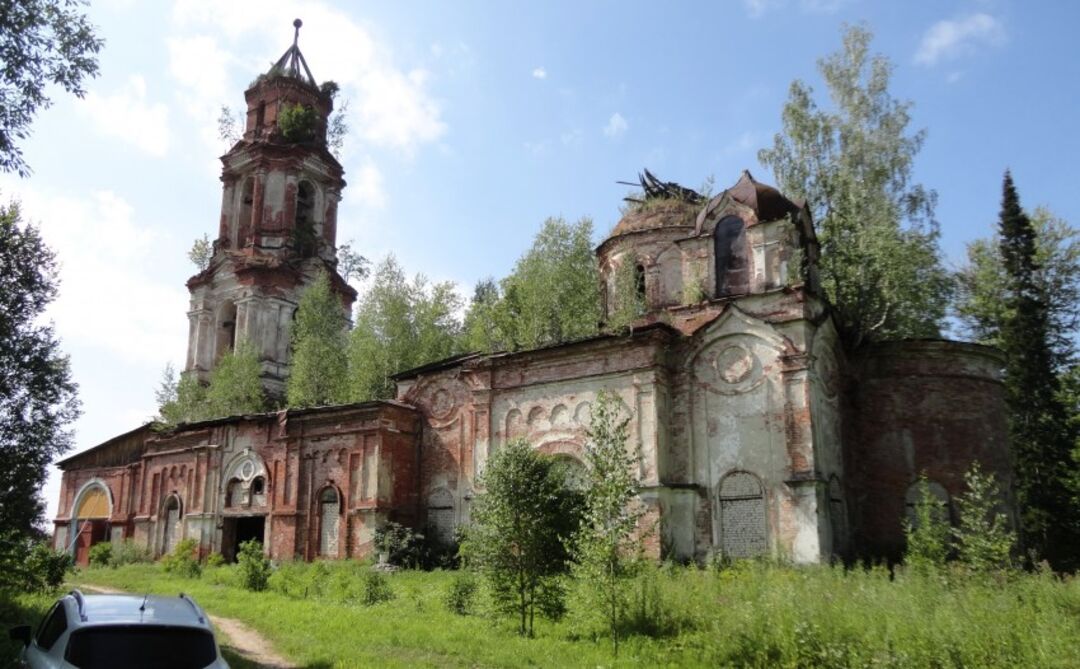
x=297 y=123
x=376 y=588
x=927 y=536
x=46 y=567
x=461 y=597
x=254 y=566
x=129 y=552
x=101 y=554
x=215 y=560
x=184 y=560
x=402 y=546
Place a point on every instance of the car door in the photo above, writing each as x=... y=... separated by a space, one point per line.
x=44 y=652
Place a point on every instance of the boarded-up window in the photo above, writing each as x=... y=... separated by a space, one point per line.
x=729 y=252
x=441 y=515
x=938 y=496
x=172 y=525
x=742 y=516
x=329 y=510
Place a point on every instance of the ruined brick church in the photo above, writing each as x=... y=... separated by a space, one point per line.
x=758 y=434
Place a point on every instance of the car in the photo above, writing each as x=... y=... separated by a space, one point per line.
x=118 y=631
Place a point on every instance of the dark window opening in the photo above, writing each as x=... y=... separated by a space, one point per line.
x=730 y=255
x=639 y=282
x=304 y=238
x=244 y=213
x=260 y=116
x=226 y=340
x=258 y=485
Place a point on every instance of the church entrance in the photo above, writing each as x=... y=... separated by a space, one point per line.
x=238 y=529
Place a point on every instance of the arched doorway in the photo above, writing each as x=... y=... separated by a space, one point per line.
x=90 y=519
x=171 y=530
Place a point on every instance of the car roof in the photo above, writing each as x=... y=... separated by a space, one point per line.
x=138 y=609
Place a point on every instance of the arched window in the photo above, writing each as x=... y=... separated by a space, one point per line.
x=171 y=531
x=729 y=252
x=243 y=213
x=742 y=516
x=938 y=496
x=639 y=282
x=226 y=330
x=258 y=491
x=329 y=510
x=233 y=493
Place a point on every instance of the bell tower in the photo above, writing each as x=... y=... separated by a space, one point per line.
x=278 y=225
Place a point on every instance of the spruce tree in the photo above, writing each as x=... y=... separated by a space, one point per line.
x=318 y=374
x=1038 y=427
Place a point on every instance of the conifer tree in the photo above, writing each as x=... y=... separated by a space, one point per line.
x=1038 y=426
x=318 y=373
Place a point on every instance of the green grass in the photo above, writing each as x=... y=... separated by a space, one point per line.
x=20 y=609
x=752 y=615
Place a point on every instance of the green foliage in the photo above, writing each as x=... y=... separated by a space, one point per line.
x=984 y=536
x=610 y=544
x=1032 y=279
x=101 y=554
x=461 y=596
x=752 y=614
x=318 y=374
x=184 y=560
x=201 y=252
x=230 y=127
x=982 y=304
x=337 y=128
x=38 y=399
x=401 y=545
x=522 y=522
x=29 y=566
x=376 y=588
x=927 y=537
x=552 y=296
x=399 y=325
x=235 y=387
x=253 y=566
x=880 y=263
x=129 y=552
x=693 y=291
x=215 y=559
x=45 y=43
x=629 y=296
x=297 y=123
x=182 y=401
x=350 y=264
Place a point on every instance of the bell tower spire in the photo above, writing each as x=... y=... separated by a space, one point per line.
x=278 y=225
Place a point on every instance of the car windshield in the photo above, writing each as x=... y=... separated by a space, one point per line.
x=141 y=646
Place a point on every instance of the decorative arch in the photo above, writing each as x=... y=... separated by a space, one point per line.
x=96 y=497
x=742 y=516
x=239 y=475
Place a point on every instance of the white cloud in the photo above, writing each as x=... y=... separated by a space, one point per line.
x=573 y=137
x=128 y=116
x=955 y=37
x=616 y=126
x=366 y=187
x=390 y=107
x=109 y=299
x=539 y=73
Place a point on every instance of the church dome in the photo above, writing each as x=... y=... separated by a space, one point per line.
x=656 y=215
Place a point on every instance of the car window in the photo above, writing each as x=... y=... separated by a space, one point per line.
x=140 y=646
x=52 y=627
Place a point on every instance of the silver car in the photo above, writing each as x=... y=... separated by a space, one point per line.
x=117 y=631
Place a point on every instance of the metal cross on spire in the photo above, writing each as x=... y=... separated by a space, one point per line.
x=291 y=62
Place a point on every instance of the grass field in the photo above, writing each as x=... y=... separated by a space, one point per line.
x=753 y=615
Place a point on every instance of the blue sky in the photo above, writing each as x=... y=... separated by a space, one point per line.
x=473 y=122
